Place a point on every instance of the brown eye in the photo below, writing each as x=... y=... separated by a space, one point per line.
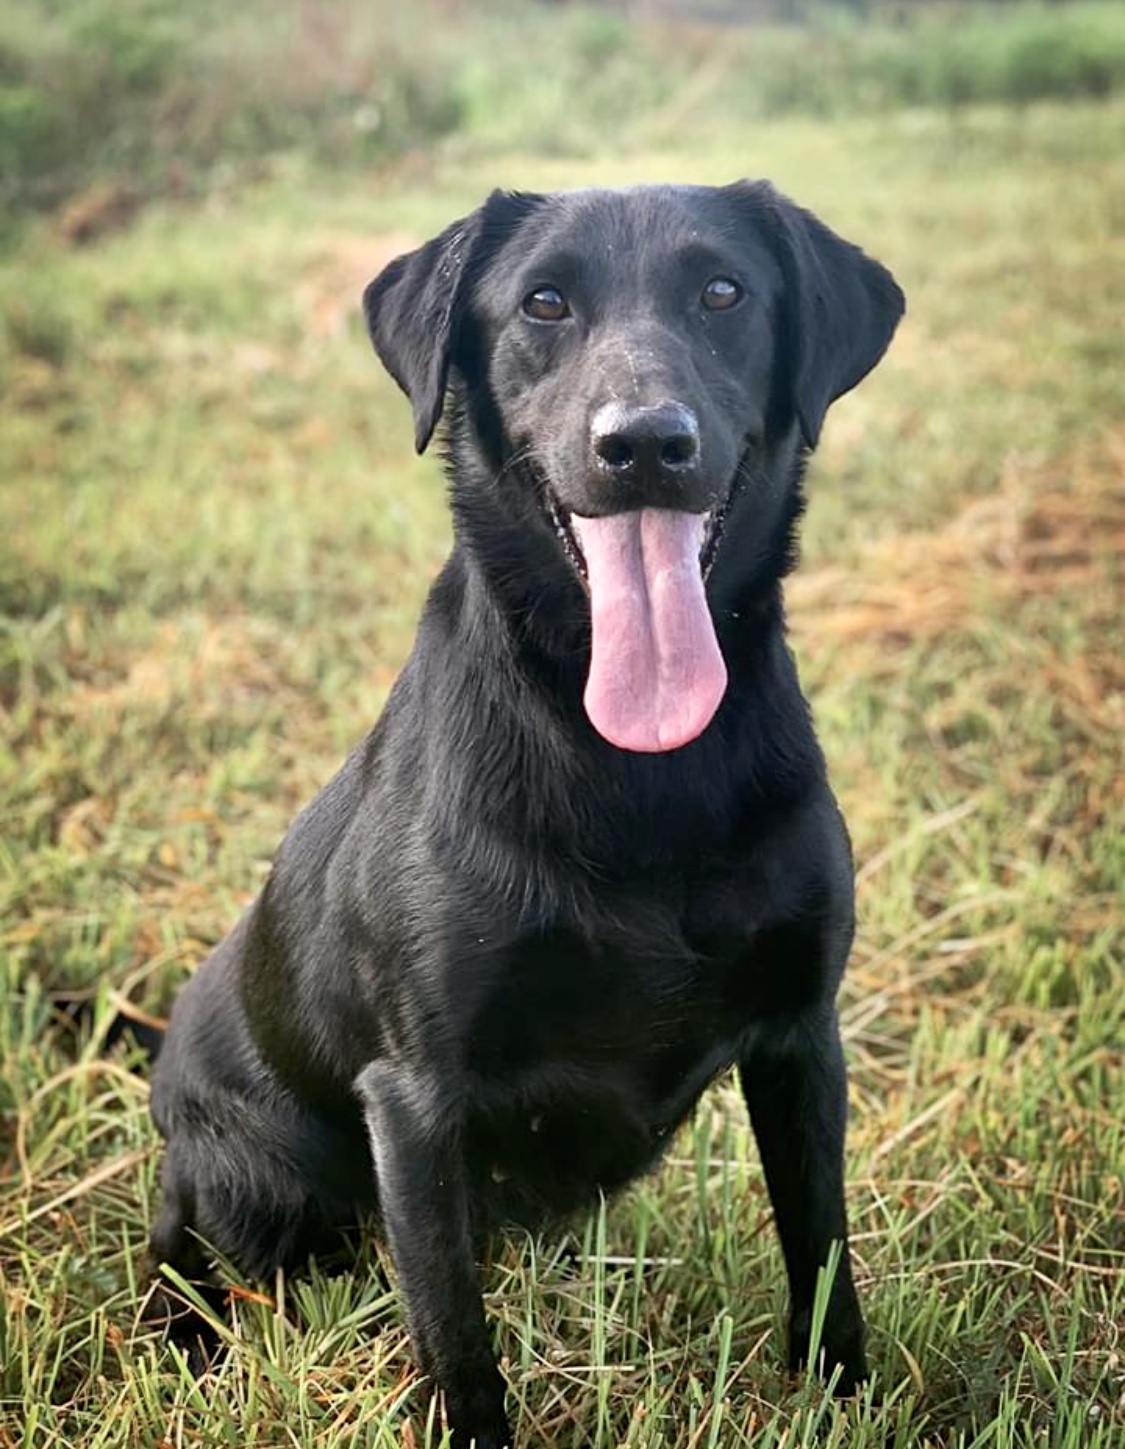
x=546 y=304
x=721 y=293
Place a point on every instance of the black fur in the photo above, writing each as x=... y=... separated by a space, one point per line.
x=498 y=959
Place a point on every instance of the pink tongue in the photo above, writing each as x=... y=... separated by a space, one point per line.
x=656 y=674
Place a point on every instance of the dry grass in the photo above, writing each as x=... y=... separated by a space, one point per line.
x=1044 y=534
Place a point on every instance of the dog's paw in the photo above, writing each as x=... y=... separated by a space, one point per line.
x=841 y=1350
x=480 y=1436
x=476 y=1419
x=181 y=1323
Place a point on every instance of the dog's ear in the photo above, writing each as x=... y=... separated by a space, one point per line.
x=414 y=306
x=410 y=309
x=840 y=308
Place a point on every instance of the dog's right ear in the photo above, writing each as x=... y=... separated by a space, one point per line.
x=414 y=306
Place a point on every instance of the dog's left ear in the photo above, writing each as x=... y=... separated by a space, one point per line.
x=841 y=308
x=414 y=306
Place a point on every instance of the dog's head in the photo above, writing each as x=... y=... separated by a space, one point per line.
x=638 y=359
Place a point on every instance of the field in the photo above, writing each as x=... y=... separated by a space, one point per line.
x=215 y=543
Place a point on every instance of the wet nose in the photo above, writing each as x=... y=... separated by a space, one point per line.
x=658 y=443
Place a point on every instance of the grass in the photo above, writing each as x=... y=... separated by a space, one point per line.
x=188 y=95
x=215 y=544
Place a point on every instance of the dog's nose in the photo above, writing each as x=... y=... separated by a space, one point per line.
x=639 y=443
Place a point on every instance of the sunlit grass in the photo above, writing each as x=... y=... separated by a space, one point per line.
x=214 y=547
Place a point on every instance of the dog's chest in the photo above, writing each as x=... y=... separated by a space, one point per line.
x=585 y=1058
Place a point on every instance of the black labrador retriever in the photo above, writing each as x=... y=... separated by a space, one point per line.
x=588 y=859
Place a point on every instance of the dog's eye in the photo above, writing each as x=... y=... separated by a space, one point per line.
x=546 y=304
x=721 y=293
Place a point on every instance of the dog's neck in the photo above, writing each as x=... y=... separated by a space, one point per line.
x=518 y=776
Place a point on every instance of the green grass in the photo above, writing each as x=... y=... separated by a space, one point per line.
x=214 y=547
x=185 y=95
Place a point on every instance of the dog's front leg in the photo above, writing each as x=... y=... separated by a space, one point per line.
x=795 y=1084
x=424 y=1203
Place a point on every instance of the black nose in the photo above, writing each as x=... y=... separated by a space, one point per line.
x=660 y=442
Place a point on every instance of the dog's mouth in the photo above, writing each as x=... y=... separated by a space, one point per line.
x=714 y=521
x=560 y=518
x=656 y=674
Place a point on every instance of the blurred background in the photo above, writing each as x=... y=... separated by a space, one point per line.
x=170 y=99
x=214 y=542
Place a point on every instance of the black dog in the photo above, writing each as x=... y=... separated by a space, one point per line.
x=588 y=859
